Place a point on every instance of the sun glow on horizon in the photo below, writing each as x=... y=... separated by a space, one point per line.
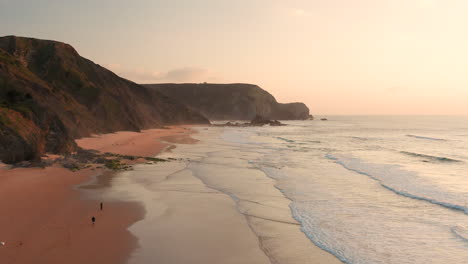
x=337 y=56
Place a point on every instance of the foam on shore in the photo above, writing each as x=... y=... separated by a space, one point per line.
x=213 y=206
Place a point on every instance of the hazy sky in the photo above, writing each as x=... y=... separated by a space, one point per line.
x=337 y=56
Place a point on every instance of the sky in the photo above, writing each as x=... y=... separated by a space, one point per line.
x=369 y=57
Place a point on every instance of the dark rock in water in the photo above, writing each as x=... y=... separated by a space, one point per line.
x=257 y=121
x=261 y=121
x=276 y=123
x=323 y=119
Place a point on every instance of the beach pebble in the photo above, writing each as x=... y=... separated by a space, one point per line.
x=2 y=243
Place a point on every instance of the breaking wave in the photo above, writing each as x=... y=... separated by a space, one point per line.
x=427 y=138
x=461 y=232
x=402 y=182
x=430 y=157
x=285 y=139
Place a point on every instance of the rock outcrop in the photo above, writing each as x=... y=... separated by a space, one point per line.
x=258 y=121
x=50 y=95
x=261 y=121
x=232 y=101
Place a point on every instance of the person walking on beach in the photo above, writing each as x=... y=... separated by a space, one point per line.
x=93 y=219
x=101 y=206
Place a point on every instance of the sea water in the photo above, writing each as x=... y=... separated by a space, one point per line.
x=372 y=189
x=366 y=189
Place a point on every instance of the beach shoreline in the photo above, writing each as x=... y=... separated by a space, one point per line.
x=210 y=206
x=229 y=169
x=46 y=215
x=146 y=209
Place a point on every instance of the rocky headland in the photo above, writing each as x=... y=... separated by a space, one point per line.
x=50 y=95
x=235 y=101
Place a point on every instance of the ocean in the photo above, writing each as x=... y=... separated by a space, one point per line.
x=367 y=189
x=373 y=189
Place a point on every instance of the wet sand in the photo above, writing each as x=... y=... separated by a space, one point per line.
x=227 y=210
x=44 y=219
x=186 y=222
x=172 y=214
x=210 y=206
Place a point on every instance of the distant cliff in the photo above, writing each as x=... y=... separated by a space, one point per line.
x=231 y=101
x=50 y=95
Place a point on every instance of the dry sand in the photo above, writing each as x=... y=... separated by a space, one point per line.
x=146 y=143
x=44 y=220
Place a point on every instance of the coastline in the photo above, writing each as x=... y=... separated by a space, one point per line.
x=227 y=168
x=170 y=212
x=46 y=213
x=210 y=206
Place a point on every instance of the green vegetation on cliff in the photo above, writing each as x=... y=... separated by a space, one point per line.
x=50 y=95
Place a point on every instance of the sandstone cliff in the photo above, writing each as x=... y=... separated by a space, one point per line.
x=50 y=95
x=231 y=101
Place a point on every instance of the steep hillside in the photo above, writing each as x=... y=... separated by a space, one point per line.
x=50 y=95
x=232 y=101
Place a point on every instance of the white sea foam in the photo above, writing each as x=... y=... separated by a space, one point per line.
x=403 y=182
x=365 y=203
x=460 y=231
x=430 y=157
x=376 y=206
x=427 y=138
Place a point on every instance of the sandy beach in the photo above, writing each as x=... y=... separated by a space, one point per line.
x=146 y=143
x=169 y=212
x=44 y=219
x=210 y=206
x=225 y=210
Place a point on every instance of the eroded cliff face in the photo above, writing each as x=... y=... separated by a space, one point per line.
x=231 y=101
x=50 y=95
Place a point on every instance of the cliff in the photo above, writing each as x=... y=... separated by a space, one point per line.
x=50 y=95
x=231 y=101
